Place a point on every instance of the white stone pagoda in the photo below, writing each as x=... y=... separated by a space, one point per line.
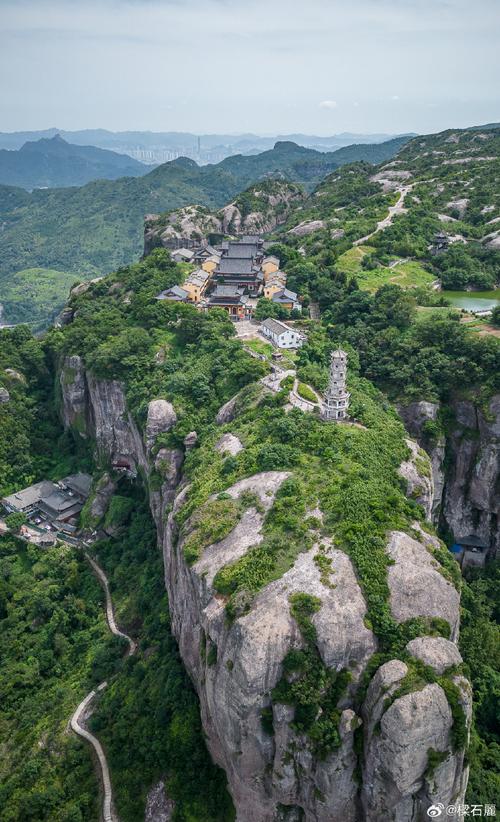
x=336 y=397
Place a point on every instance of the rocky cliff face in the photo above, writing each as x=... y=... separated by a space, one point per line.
x=236 y=665
x=380 y=767
x=256 y=211
x=465 y=466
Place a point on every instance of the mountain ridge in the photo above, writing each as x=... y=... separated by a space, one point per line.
x=93 y=229
x=54 y=163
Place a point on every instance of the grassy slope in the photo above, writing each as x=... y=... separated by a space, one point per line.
x=406 y=274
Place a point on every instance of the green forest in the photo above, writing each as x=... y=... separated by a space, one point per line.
x=55 y=645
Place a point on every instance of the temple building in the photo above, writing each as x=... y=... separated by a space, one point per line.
x=336 y=397
x=232 y=298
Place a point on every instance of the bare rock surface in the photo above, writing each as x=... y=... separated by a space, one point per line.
x=236 y=688
x=415 y=416
x=436 y=651
x=74 y=394
x=417 y=588
x=4 y=395
x=104 y=491
x=416 y=470
x=115 y=431
x=190 y=440
x=227 y=412
x=15 y=375
x=307 y=227
x=229 y=444
x=161 y=418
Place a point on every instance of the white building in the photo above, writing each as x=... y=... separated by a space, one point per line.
x=336 y=398
x=281 y=335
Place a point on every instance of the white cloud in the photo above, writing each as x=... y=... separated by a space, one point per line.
x=328 y=104
x=395 y=97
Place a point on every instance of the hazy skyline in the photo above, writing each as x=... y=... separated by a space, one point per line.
x=263 y=66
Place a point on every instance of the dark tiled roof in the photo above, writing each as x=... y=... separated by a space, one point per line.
x=227 y=291
x=242 y=250
x=231 y=265
x=472 y=541
x=251 y=238
x=285 y=296
x=81 y=483
x=174 y=293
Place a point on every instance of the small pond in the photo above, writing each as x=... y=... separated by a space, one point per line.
x=473 y=300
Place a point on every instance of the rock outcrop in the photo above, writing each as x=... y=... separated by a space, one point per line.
x=307 y=227
x=235 y=664
x=103 y=494
x=229 y=444
x=415 y=417
x=465 y=496
x=161 y=418
x=416 y=470
x=235 y=682
x=258 y=210
x=159 y=808
x=399 y=731
x=417 y=588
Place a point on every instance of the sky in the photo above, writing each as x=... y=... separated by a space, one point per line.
x=262 y=66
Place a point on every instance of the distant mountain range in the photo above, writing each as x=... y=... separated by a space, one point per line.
x=94 y=229
x=160 y=147
x=52 y=163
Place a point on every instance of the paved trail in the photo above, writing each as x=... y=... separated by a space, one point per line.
x=393 y=212
x=84 y=710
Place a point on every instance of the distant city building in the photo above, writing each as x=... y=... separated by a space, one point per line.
x=336 y=397
x=281 y=335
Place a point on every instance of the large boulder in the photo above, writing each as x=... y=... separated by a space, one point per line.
x=417 y=588
x=436 y=652
x=399 y=783
x=161 y=418
x=307 y=227
x=229 y=444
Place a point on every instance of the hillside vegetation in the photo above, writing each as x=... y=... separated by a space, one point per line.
x=94 y=229
x=56 y=163
x=149 y=718
x=351 y=471
x=447 y=182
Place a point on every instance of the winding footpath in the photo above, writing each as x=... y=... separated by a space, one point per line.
x=84 y=709
x=394 y=210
